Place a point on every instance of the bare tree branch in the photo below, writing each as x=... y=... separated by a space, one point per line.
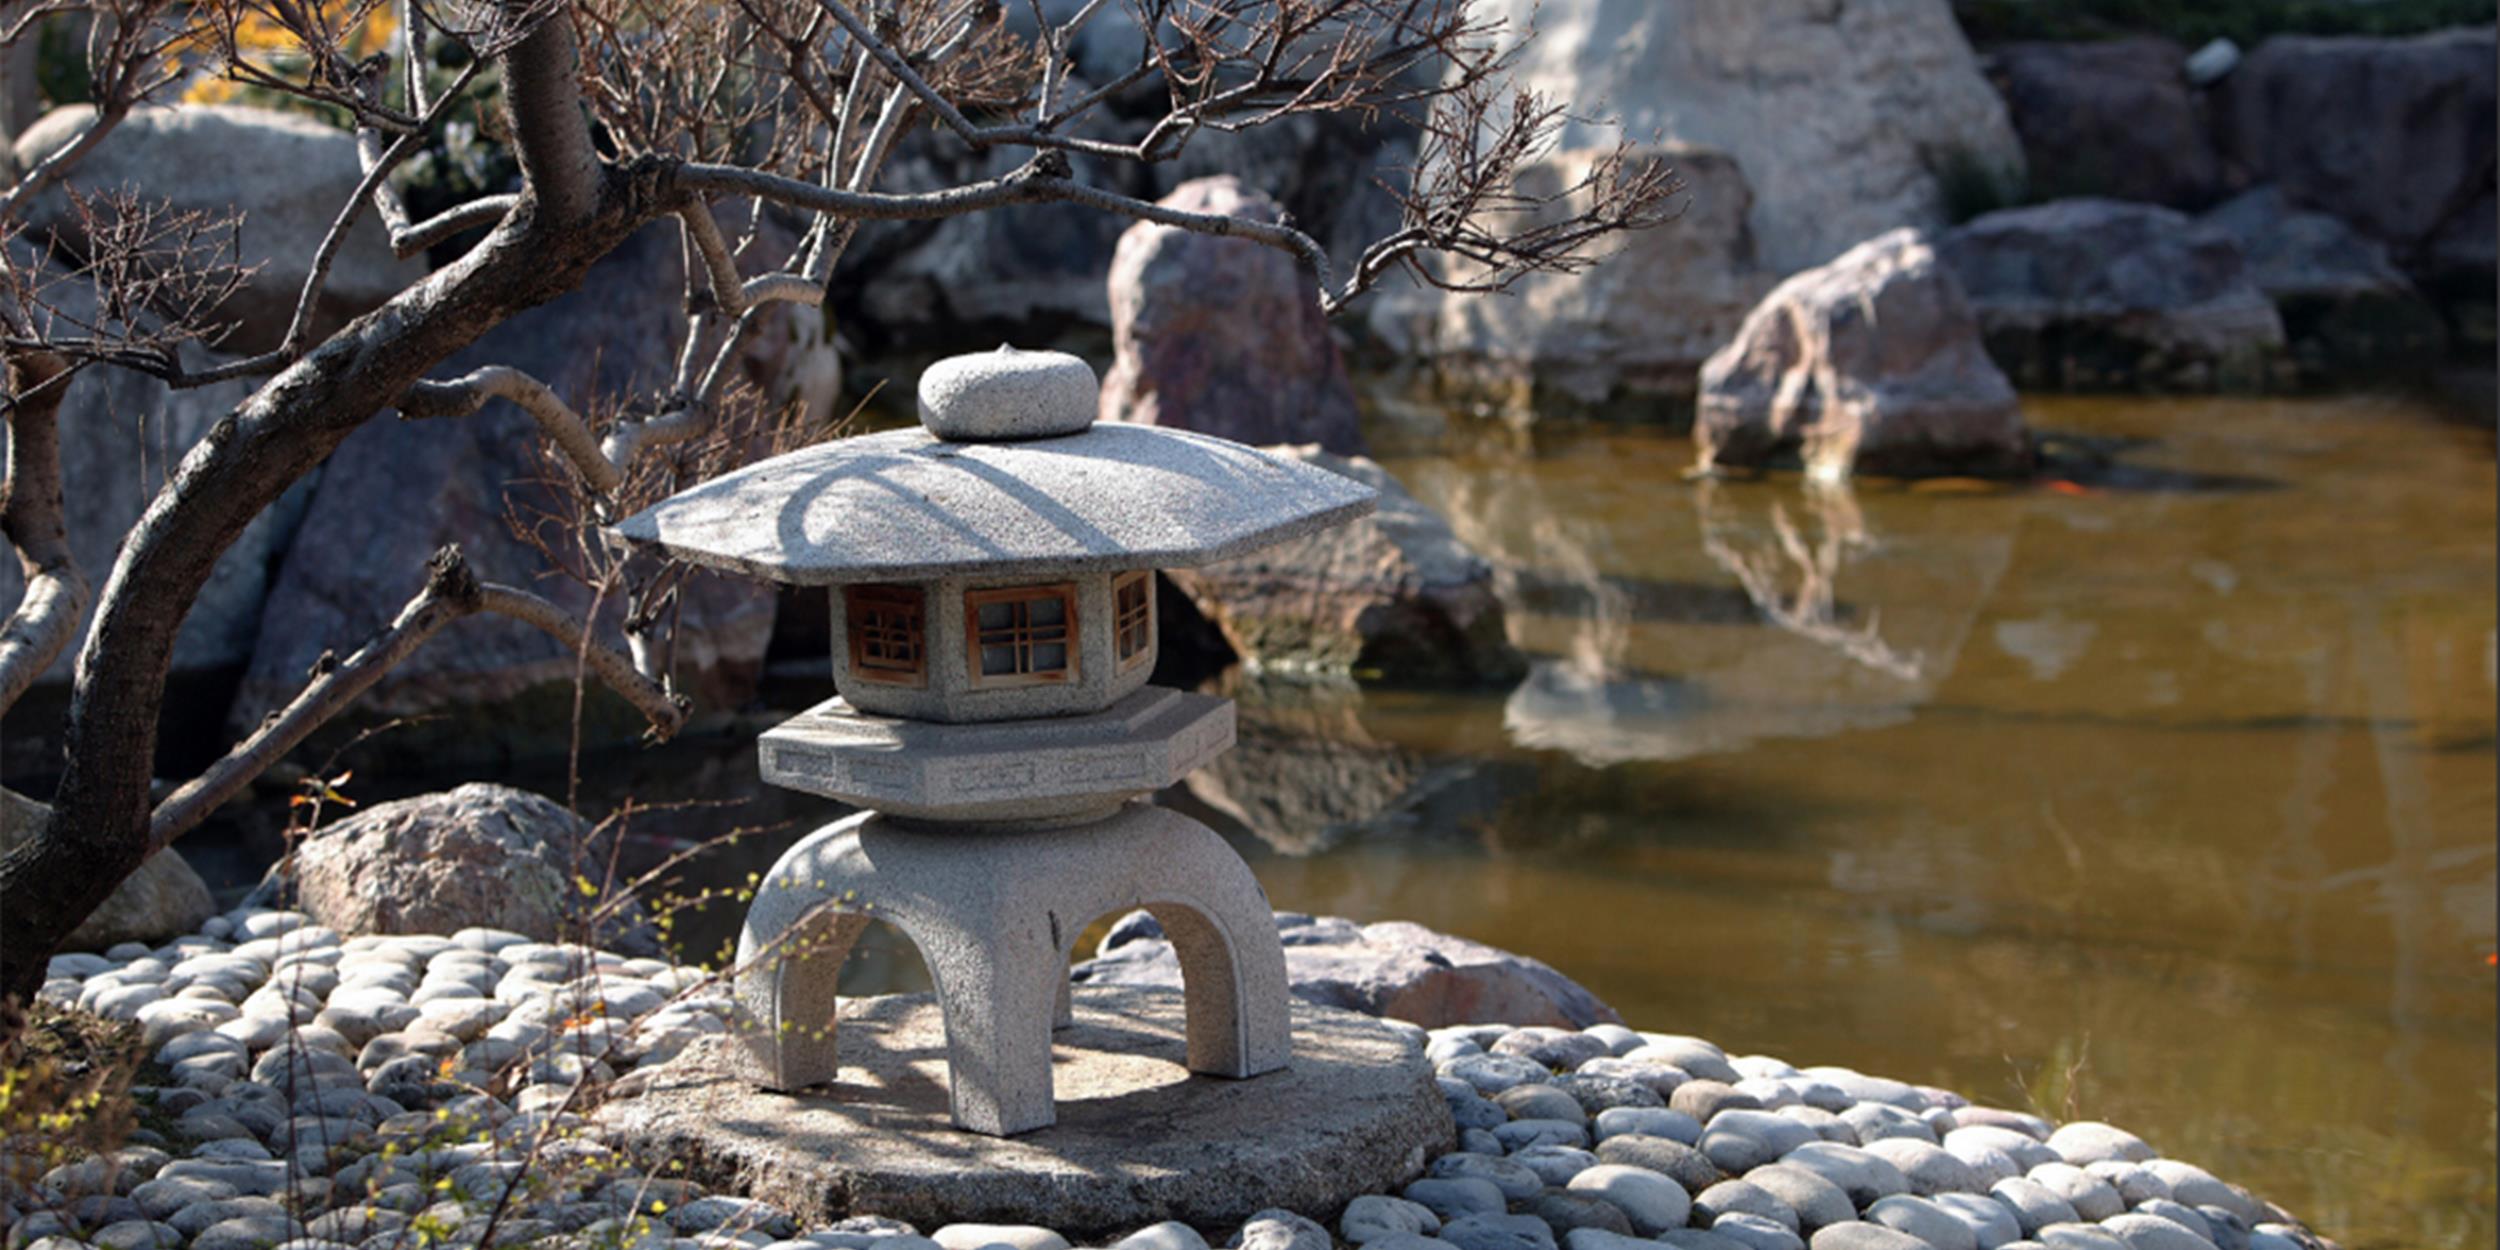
x=478 y=213
x=32 y=518
x=451 y=593
x=464 y=395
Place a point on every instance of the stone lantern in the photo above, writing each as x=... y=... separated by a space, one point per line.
x=992 y=576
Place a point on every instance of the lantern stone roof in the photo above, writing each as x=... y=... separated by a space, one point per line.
x=909 y=505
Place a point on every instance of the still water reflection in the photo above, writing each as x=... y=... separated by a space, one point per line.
x=2163 y=795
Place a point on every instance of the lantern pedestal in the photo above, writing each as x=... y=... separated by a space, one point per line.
x=996 y=914
x=1139 y=1138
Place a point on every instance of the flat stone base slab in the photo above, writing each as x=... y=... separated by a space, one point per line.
x=1139 y=1138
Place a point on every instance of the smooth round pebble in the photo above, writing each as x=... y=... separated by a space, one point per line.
x=1515 y=1182
x=1989 y=1220
x=1270 y=1229
x=1173 y=1235
x=1816 y=1201
x=2078 y=1237
x=1929 y=1168
x=1920 y=1218
x=1648 y=1121
x=1565 y=1212
x=1555 y=1165
x=1374 y=1216
x=2092 y=1198
x=1860 y=1235
x=1540 y=1102
x=2033 y=1205
x=2090 y=1141
x=1651 y=1200
x=2137 y=1231
x=1865 y=1177
x=1756 y=1233
x=1499 y=1232
x=1730 y=1197
x=1450 y=1198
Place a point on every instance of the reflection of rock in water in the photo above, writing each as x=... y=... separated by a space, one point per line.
x=1820 y=669
x=1304 y=774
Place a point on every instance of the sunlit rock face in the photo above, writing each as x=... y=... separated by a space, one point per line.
x=1838 y=113
x=1798 y=130
x=1870 y=363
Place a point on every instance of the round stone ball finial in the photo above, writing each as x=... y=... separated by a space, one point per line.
x=1008 y=394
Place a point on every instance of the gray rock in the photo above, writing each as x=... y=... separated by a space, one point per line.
x=1739 y=1140
x=1651 y=1200
x=1729 y=1197
x=2022 y=1122
x=1938 y=1228
x=2034 y=1205
x=1704 y=1099
x=1008 y=394
x=1988 y=1219
x=1624 y=339
x=1756 y=1233
x=1685 y=1165
x=163 y=898
x=285 y=174
x=1516 y=1183
x=1396 y=593
x=1560 y=1049
x=137 y=1235
x=2092 y=1198
x=2111 y=117
x=1555 y=1165
x=1692 y=1055
x=719 y=1213
x=1400 y=970
x=1648 y=1121
x=1871 y=363
x=2137 y=1231
x=1863 y=1176
x=161 y=1198
x=1374 y=1216
x=1816 y=1201
x=2085 y=1141
x=2092 y=294
x=1522 y=1134
x=1860 y=1235
x=2078 y=1237
x=1223 y=336
x=1278 y=1230
x=1603 y=1239
x=2392 y=135
x=2198 y=1188
x=2135 y=1186
x=1796 y=94
x=2349 y=313
x=1659 y=1078
x=1498 y=1232
x=1172 y=1235
x=1874 y=1121
x=1566 y=1212
x=1597 y=1092
x=476 y=855
x=1449 y=1199
x=2178 y=1213
x=1540 y=1102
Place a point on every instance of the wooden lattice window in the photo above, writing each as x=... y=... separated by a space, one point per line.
x=1133 y=618
x=1021 y=635
x=888 y=628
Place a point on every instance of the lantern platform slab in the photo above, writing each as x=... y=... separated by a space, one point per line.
x=1139 y=1139
x=998 y=770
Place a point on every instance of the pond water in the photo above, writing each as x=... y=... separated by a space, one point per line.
x=2160 y=792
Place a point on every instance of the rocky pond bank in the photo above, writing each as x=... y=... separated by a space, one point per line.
x=317 y=1091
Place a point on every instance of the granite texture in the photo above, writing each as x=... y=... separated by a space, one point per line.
x=907 y=506
x=1139 y=1140
x=997 y=917
x=1020 y=770
x=1006 y=395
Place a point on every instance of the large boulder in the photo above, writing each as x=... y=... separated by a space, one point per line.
x=397 y=490
x=1624 y=338
x=2114 y=117
x=2347 y=310
x=2395 y=136
x=286 y=174
x=121 y=434
x=480 y=856
x=1871 y=363
x=2095 y=294
x=1395 y=968
x=1223 y=336
x=163 y=899
x=1841 y=115
x=1394 y=595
